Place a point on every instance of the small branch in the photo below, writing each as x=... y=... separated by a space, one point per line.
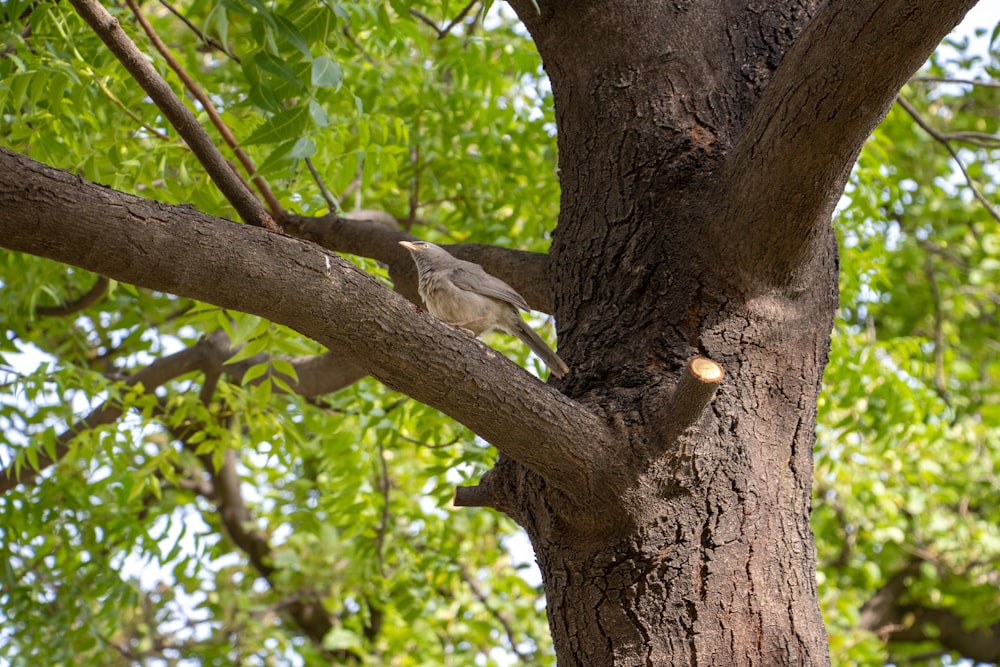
x=153 y=131
x=317 y=375
x=455 y=21
x=239 y=525
x=238 y=522
x=92 y=296
x=943 y=140
x=206 y=104
x=474 y=496
x=443 y=32
x=426 y=19
x=897 y=619
x=331 y=201
x=501 y=617
x=361 y=49
x=208 y=39
x=939 y=378
x=156 y=374
x=684 y=407
x=966 y=82
x=108 y=29
x=979 y=139
x=694 y=391
x=385 y=485
x=411 y=216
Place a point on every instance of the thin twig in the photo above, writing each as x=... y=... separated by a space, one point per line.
x=208 y=39
x=152 y=376
x=426 y=19
x=180 y=117
x=206 y=103
x=90 y=297
x=967 y=82
x=461 y=15
x=411 y=217
x=159 y=134
x=361 y=49
x=443 y=32
x=331 y=201
x=383 y=524
x=981 y=139
x=495 y=613
x=939 y=377
x=940 y=138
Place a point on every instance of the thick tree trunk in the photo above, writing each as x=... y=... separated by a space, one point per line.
x=711 y=560
x=708 y=557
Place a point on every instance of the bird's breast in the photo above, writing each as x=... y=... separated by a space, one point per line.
x=454 y=305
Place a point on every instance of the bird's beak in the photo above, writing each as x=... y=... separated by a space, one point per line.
x=412 y=247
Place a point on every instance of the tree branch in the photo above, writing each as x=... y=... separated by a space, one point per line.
x=671 y=416
x=92 y=296
x=107 y=28
x=943 y=140
x=238 y=521
x=964 y=82
x=832 y=88
x=894 y=619
x=157 y=373
x=317 y=375
x=207 y=39
x=184 y=252
x=364 y=235
x=206 y=103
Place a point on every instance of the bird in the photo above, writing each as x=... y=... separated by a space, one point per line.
x=463 y=294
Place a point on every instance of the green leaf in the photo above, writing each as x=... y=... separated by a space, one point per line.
x=319 y=116
x=287 y=125
x=303 y=148
x=326 y=73
x=290 y=33
x=256 y=371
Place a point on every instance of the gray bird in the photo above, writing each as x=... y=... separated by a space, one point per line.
x=463 y=294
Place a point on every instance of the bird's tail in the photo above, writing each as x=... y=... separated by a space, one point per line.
x=539 y=347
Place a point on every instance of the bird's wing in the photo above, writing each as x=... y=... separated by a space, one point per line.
x=473 y=278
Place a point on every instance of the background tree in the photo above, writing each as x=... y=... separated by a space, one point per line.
x=187 y=481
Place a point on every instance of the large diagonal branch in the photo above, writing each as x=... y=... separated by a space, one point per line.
x=52 y=214
x=833 y=87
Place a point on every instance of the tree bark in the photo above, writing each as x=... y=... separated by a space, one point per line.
x=702 y=150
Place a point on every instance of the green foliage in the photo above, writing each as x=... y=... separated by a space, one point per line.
x=909 y=440
x=115 y=553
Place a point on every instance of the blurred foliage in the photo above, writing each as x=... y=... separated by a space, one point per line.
x=908 y=455
x=110 y=558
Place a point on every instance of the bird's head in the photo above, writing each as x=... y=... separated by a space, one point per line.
x=424 y=252
x=419 y=246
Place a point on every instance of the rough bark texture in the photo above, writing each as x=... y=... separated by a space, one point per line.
x=699 y=177
x=702 y=149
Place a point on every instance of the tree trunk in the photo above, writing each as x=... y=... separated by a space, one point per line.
x=707 y=558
